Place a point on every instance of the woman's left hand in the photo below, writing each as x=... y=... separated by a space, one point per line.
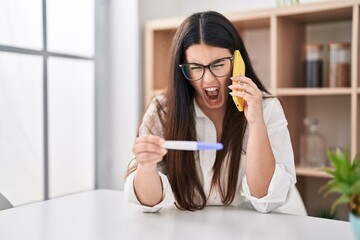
x=253 y=97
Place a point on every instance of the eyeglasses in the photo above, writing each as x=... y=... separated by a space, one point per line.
x=195 y=71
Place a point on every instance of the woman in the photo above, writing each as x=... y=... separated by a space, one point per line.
x=256 y=166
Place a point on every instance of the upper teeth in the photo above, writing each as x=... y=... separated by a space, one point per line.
x=210 y=89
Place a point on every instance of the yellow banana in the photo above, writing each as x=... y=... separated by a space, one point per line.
x=238 y=69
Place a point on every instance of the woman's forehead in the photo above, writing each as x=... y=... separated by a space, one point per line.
x=204 y=54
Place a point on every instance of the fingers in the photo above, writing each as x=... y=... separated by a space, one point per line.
x=149 y=144
x=150 y=139
x=245 y=89
x=243 y=79
x=148 y=148
x=253 y=98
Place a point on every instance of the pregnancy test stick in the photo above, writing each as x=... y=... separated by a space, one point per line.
x=192 y=145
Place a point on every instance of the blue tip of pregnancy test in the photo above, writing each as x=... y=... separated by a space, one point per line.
x=209 y=146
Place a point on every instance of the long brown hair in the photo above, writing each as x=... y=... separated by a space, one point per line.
x=177 y=114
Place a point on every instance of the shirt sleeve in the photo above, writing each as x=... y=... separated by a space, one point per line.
x=151 y=124
x=284 y=177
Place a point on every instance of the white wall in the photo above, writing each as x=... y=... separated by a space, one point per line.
x=117 y=88
x=46 y=102
x=125 y=84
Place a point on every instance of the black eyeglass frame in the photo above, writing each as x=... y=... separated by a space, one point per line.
x=204 y=67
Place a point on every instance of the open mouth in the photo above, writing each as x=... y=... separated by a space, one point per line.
x=212 y=94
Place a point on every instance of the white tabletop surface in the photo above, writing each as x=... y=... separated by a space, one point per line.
x=103 y=214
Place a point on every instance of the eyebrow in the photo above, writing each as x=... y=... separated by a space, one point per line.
x=210 y=62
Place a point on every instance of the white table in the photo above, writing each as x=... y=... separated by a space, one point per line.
x=103 y=214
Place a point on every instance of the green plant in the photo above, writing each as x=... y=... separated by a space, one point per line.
x=345 y=179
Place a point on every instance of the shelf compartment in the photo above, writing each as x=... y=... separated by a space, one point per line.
x=315 y=200
x=158 y=39
x=333 y=113
x=319 y=26
x=162 y=45
x=256 y=36
x=355 y=51
x=295 y=110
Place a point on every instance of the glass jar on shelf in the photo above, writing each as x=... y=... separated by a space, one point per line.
x=313 y=65
x=339 y=64
x=312 y=145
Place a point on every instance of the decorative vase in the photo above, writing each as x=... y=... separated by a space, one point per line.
x=355 y=222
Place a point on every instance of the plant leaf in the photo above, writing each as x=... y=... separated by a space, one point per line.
x=340 y=188
x=330 y=171
x=346 y=176
x=356 y=188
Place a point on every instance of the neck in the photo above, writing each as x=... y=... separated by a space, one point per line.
x=217 y=117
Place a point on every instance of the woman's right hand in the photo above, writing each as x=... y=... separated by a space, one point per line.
x=148 y=151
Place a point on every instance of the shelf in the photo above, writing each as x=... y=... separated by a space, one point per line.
x=312 y=91
x=311 y=172
x=240 y=23
x=318 y=12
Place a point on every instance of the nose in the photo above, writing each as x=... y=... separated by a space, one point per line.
x=208 y=76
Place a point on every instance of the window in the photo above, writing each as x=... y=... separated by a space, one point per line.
x=47 y=101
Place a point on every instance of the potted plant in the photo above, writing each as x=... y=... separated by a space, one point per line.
x=345 y=181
